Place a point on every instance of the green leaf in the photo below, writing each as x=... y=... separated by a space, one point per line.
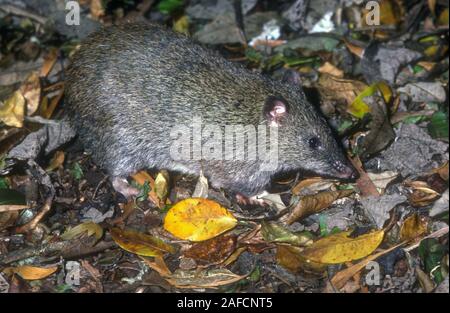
x=255 y=275
x=169 y=6
x=11 y=196
x=76 y=171
x=3 y=183
x=323 y=225
x=438 y=126
x=431 y=252
x=143 y=190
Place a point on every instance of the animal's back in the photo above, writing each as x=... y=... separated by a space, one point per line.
x=128 y=86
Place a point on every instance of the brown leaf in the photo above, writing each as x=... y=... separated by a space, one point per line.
x=328 y=68
x=412 y=227
x=313 y=204
x=214 y=250
x=31 y=91
x=291 y=258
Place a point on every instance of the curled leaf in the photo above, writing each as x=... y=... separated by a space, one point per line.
x=315 y=203
x=140 y=243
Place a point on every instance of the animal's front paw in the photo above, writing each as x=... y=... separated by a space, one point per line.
x=121 y=185
x=251 y=201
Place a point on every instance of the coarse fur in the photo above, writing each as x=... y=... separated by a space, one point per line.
x=128 y=86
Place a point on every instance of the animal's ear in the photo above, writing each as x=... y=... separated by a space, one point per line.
x=291 y=77
x=275 y=109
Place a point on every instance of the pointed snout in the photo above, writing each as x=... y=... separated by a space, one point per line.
x=344 y=170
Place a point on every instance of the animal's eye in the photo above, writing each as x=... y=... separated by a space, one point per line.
x=314 y=143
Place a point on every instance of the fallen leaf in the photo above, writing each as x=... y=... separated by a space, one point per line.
x=162 y=185
x=315 y=203
x=424 y=91
x=412 y=227
x=206 y=278
x=359 y=107
x=49 y=61
x=140 y=243
x=31 y=272
x=214 y=250
x=142 y=177
x=13 y=109
x=89 y=228
x=381 y=180
x=328 y=68
x=198 y=219
x=340 y=278
x=56 y=162
x=201 y=188
x=292 y=259
x=273 y=232
x=31 y=91
x=339 y=248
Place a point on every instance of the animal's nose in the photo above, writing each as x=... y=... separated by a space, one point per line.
x=345 y=171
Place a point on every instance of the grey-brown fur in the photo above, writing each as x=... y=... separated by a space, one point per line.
x=129 y=85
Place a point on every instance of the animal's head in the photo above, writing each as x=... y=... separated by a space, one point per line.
x=306 y=141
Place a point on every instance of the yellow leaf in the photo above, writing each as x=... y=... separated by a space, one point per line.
x=181 y=25
x=443 y=18
x=412 y=227
x=198 y=219
x=292 y=259
x=140 y=243
x=162 y=184
x=359 y=108
x=340 y=248
x=90 y=228
x=12 y=110
x=31 y=272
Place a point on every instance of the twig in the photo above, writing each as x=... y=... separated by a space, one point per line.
x=11 y=9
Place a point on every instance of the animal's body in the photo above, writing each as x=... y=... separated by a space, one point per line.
x=129 y=86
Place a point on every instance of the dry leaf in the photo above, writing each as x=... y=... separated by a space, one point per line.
x=312 y=185
x=90 y=228
x=343 y=276
x=56 y=162
x=315 y=203
x=31 y=91
x=31 y=272
x=13 y=110
x=162 y=185
x=213 y=250
x=140 y=243
x=49 y=61
x=328 y=68
x=141 y=177
x=205 y=278
x=412 y=227
x=381 y=180
x=198 y=219
x=340 y=248
x=291 y=258
x=273 y=232
x=333 y=88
